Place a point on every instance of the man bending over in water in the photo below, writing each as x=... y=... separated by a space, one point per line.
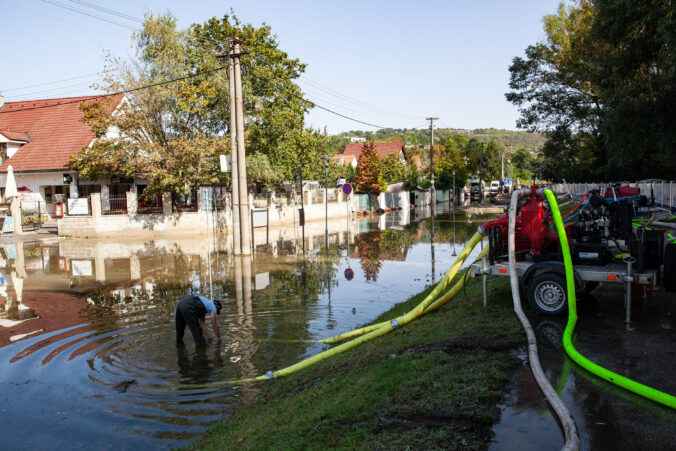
x=191 y=310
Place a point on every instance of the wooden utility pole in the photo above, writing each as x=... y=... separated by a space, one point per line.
x=236 y=239
x=243 y=192
x=432 y=192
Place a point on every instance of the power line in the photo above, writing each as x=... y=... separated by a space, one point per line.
x=60 y=20
x=53 y=82
x=335 y=93
x=60 y=5
x=109 y=11
x=126 y=91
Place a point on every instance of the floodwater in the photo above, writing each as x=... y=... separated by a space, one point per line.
x=607 y=417
x=87 y=340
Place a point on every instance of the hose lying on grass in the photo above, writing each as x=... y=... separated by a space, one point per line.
x=626 y=383
x=431 y=302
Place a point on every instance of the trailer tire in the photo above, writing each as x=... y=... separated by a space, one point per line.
x=547 y=294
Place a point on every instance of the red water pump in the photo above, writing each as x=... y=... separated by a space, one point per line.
x=532 y=227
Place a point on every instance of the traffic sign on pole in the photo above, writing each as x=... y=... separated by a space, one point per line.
x=347 y=189
x=349 y=274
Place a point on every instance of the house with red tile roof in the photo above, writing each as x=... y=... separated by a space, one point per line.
x=38 y=137
x=383 y=149
x=344 y=160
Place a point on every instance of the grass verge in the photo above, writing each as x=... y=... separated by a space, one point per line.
x=434 y=383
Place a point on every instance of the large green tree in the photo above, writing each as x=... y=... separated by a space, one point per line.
x=553 y=88
x=601 y=87
x=174 y=131
x=636 y=78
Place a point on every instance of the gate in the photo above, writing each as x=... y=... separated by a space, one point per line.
x=31 y=215
x=364 y=202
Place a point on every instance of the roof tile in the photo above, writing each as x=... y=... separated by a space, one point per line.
x=55 y=129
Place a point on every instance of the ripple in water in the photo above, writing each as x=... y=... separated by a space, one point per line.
x=91 y=383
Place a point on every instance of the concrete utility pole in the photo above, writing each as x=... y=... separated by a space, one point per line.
x=432 y=192
x=244 y=222
x=236 y=238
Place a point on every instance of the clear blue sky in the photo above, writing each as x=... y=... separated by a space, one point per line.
x=397 y=61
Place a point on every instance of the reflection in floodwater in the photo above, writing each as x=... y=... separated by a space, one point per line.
x=87 y=340
x=607 y=416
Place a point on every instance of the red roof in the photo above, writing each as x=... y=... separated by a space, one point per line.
x=56 y=132
x=382 y=149
x=14 y=136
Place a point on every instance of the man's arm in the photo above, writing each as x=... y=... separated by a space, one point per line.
x=214 y=324
x=204 y=329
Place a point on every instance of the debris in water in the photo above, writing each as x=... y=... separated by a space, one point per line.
x=124 y=385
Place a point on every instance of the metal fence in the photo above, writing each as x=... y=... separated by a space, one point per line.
x=32 y=214
x=117 y=205
x=662 y=191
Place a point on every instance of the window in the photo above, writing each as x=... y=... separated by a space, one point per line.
x=3 y=152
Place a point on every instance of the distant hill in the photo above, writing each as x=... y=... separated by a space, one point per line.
x=512 y=139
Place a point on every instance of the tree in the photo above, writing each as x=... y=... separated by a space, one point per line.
x=601 y=86
x=393 y=168
x=369 y=179
x=412 y=177
x=524 y=163
x=637 y=82
x=555 y=90
x=175 y=130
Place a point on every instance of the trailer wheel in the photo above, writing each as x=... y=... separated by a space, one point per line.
x=547 y=294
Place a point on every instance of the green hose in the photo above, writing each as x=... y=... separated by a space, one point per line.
x=628 y=384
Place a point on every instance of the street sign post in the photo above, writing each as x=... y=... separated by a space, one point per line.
x=349 y=274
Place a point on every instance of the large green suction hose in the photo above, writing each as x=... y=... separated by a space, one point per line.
x=628 y=384
x=572 y=440
x=431 y=302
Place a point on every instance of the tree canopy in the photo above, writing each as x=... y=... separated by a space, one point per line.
x=601 y=88
x=173 y=132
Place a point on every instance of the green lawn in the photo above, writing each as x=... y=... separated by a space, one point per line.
x=434 y=383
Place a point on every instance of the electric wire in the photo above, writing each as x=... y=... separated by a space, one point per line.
x=61 y=20
x=61 y=5
x=125 y=91
x=349 y=99
x=53 y=82
x=106 y=10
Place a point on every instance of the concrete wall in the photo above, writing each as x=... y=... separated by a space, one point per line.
x=188 y=223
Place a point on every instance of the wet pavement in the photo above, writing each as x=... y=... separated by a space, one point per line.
x=607 y=416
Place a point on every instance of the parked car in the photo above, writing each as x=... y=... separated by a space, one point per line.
x=495 y=187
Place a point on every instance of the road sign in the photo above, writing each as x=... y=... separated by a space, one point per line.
x=349 y=274
x=347 y=189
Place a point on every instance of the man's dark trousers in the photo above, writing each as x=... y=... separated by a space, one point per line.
x=189 y=311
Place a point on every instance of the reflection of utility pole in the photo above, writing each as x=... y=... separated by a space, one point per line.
x=432 y=244
x=326 y=205
x=432 y=192
x=234 y=54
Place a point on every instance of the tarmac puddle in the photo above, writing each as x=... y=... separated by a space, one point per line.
x=607 y=417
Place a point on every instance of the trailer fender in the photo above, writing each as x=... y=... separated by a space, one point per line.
x=550 y=266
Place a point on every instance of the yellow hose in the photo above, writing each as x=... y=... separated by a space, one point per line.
x=377 y=330
x=441 y=286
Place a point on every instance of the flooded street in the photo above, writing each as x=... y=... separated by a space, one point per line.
x=87 y=340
